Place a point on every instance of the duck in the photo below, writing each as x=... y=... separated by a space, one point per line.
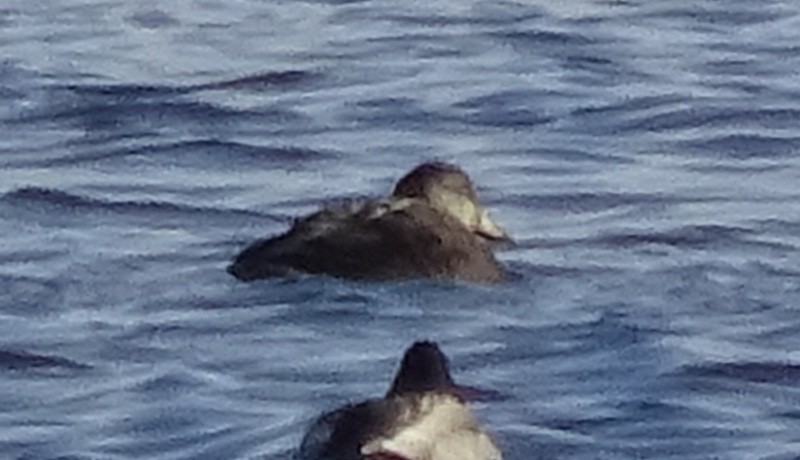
x=423 y=416
x=431 y=226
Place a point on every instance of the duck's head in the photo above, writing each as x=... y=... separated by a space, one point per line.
x=424 y=368
x=448 y=189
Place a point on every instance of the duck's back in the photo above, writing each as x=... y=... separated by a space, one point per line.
x=340 y=434
x=374 y=241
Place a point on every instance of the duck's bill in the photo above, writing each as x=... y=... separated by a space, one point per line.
x=488 y=229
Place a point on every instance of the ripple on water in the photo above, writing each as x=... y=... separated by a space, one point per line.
x=642 y=154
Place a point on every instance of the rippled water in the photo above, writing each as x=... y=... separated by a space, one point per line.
x=643 y=154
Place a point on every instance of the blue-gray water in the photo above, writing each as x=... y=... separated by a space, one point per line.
x=643 y=154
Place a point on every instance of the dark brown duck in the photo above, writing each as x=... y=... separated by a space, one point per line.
x=432 y=226
x=422 y=417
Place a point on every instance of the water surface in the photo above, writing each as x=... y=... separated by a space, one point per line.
x=643 y=154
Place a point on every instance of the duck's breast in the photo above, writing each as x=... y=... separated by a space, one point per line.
x=440 y=427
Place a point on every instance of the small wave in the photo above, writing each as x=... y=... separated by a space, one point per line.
x=134 y=115
x=745 y=146
x=588 y=202
x=544 y=38
x=336 y=2
x=538 y=271
x=485 y=17
x=718 y=17
x=66 y=200
x=144 y=108
x=585 y=425
x=168 y=384
x=515 y=118
x=31 y=294
x=50 y=196
x=593 y=63
x=397 y=112
x=788 y=227
x=737 y=167
x=251 y=82
x=758 y=372
x=506 y=98
x=260 y=81
x=734 y=67
x=568 y=160
x=695 y=117
x=691 y=236
x=505 y=108
x=630 y=105
x=152 y=19
x=22 y=360
x=27 y=256
x=227 y=152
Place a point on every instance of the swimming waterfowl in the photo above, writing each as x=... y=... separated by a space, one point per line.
x=423 y=416
x=431 y=226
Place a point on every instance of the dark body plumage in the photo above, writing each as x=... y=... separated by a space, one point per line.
x=422 y=416
x=431 y=226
